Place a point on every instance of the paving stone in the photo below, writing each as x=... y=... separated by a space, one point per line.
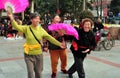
x=16 y=68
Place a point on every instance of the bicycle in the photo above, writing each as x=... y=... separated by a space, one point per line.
x=105 y=39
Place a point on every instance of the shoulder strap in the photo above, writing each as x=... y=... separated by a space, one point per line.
x=34 y=36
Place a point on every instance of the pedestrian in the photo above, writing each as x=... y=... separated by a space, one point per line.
x=80 y=48
x=2 y=29
x=81 y=25
x=5 y=22
x=19 y=35
x=98 y=25
x=32 y=48
x=57 y=52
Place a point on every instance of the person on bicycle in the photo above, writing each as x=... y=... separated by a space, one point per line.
x=98 y=25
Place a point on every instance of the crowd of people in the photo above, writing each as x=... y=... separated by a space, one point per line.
x=56 y=44
x=8 y=31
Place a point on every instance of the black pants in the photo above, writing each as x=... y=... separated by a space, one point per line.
x=5 y=33
x=77 y=67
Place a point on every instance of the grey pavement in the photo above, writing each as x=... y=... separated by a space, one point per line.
x=99 y=64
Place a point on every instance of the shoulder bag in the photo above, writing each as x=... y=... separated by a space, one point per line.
x=44 y=48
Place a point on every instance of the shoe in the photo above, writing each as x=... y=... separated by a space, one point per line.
x=70 y=76
x=53 y=75
x=65 y=71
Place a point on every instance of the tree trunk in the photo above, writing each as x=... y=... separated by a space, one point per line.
x=84 y=4
x=32 y=7
x=101 y=10
x=97 y=9
x=22 y=16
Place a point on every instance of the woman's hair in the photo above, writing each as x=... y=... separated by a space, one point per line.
x=33 y=15
x=54 y=16
x=87 y=20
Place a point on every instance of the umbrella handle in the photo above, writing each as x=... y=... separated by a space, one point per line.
x=9 y=13
x=9 y=9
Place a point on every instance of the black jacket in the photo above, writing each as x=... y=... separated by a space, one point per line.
x=57 y=37
x=86 y=40
x=98 y=25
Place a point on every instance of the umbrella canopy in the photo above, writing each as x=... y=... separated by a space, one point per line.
x=1 y=5
x=16 y=5
x=67 y=29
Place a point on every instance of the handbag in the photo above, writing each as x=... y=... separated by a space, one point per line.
x=44 y=47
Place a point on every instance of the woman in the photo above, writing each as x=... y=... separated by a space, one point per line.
x=80 y=48
x=57 y=52
x=32 y=49
x=19 y=35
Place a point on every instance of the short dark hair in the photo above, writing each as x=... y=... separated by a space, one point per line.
x=33 y=15
x=53 y=16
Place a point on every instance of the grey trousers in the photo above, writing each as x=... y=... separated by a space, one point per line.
x=34 y=65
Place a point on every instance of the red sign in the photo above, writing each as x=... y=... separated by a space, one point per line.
x=58 y=11
x=105 y=12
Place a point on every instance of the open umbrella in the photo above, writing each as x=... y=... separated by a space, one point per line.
x=15 y=5
x=65 y=27
x=1 y=6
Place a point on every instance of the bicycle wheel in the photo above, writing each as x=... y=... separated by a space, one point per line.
x=107 y=44
x=111 y=39
x=98 y=47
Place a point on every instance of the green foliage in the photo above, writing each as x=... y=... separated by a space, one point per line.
x=86 y=14
x=115 y=7
x=65 y=6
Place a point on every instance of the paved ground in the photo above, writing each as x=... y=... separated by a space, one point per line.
x=99 y=64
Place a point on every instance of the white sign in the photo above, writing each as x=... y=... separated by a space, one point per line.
x=4 y=14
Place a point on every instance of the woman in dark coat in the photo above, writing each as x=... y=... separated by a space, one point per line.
x=80 y=48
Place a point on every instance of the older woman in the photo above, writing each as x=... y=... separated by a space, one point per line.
x=80 y=48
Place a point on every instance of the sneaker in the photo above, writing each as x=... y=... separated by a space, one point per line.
x=64 y=71
x=53 y=75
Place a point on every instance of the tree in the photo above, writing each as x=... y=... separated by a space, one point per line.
x=86 y=14
x=115 y=7
x=65 y=6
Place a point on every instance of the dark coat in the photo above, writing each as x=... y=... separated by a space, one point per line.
x=86 y=41
x=98 y=25
x=57 y=37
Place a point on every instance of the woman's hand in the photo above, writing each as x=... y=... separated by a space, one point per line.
x=10 y=15
x=63 y=45
x=45 y=49
x=86 y=51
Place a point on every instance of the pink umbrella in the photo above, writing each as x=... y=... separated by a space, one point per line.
x=1 y=6
x=67 y=28
x=16 y=5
